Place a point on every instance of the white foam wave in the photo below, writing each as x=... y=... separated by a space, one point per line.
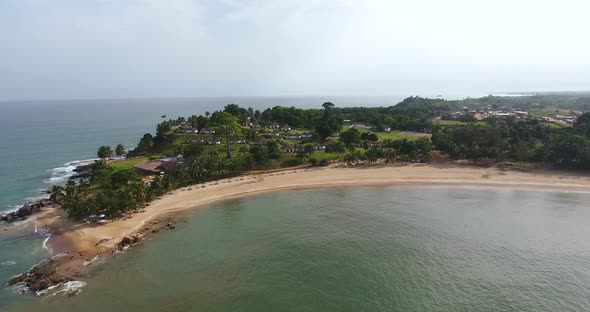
x=61 y=174
x=10 y=262
x=70 y=288
x=45 y=244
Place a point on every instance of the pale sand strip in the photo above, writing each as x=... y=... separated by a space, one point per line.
x=83 y=238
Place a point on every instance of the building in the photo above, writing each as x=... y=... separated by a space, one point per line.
x=213 y=142
x=160 y=166
x=207 y=131
x=285 y=127
x=319 y=147
x=287 y=148
x=292 y=136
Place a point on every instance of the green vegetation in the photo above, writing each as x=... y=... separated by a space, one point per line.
x=104 y=152
x=458 y=123
x=235 y=140
x=519 y=140
x=127 y=163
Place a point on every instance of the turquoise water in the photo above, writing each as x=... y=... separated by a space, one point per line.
x=42 y=141
x=365 y=249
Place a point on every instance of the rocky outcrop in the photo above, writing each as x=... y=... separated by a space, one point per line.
x=82 y=172
x=25 y=211
x=44 y=274
x=130 y=240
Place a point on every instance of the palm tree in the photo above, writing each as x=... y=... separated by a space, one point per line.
x=120 y=150
x=104 y=152
x=302 y=155
x=309 y=149
x=56 y=193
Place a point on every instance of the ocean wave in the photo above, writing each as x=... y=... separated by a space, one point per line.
x=61 y=174
x=6 y=263
x=57 y=176
x=12 y=208
x=70 y=288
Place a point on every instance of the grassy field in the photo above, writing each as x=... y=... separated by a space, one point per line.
x=127 y=163
x=538 y=112
x=458 y=123
x=551 y=125
x=394 y=135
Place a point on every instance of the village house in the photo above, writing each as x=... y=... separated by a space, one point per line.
x=159 y=166
x=213 y=142
x=272 y=134
x=285 y=127
x=292 y=136
x=207 y=131
x=319 y=147
x=361 y=126
x=187 y=127
x=287 y=148
x=194 y=140
x=306 y=135
x=274 y=125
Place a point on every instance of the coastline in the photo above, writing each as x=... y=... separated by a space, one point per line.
x=79 y=243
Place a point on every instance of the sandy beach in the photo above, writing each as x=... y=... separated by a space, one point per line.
x=84 y=237
x=85 y=241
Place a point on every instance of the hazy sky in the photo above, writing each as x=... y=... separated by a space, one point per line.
x=52 y=49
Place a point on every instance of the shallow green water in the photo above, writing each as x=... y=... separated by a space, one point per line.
x=366 y=249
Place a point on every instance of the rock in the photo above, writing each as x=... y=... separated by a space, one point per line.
x=42 y=283
x=11 y=217
x=137 y=237
x=25 y=210
x=171 y=226
x=4 y=218
x=125 y=241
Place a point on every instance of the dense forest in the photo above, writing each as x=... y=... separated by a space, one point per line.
x=352 y=135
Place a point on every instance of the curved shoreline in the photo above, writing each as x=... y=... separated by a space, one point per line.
x=85 y=241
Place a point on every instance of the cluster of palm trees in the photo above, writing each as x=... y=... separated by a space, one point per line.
x=113 y=192
x=106 y=192
x=393 y=150
x=304 y=152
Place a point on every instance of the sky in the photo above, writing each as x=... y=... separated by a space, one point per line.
x=77 y=49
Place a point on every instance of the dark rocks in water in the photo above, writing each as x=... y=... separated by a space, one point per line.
x=83 y=168
x=10 y=217
x=25 y=211
x=171 y=226
x=125 y=241
x=130 y=240
x=137 y=237
x=82 y=172
x=43 y=275
x=82 y=175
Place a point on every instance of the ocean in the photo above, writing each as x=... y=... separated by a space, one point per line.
x=438 y=248
x=42 y=142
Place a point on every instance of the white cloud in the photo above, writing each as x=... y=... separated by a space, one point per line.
x=109 y=48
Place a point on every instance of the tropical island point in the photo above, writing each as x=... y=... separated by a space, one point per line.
x=118 y=203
